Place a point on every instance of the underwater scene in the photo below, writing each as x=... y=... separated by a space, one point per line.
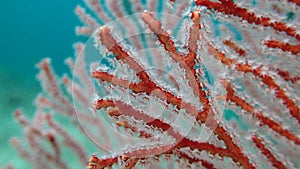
x=156 y=84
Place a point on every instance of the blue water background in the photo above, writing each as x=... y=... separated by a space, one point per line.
x=29 y=31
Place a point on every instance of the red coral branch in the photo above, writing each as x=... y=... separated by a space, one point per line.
x=284 y=74
x=229 y=8
x=188 y=62
x=266 y=79
x=294 y=49
x=297 y=2
x=181 y=140
x=234 y=46
x=259 y=144
x=264 y=120
x=147 y=86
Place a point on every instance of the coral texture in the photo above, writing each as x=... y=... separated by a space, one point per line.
x=173 y=84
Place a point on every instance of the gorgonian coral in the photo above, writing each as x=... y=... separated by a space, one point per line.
x=174 y=84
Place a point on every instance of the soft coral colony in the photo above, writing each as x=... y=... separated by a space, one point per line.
x=173 y=84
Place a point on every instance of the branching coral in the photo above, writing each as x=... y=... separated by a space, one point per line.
x=176 y=84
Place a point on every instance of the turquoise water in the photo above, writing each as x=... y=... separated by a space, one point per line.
x=30 y=30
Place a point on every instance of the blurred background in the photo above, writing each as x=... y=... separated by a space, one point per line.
x=30 y=30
